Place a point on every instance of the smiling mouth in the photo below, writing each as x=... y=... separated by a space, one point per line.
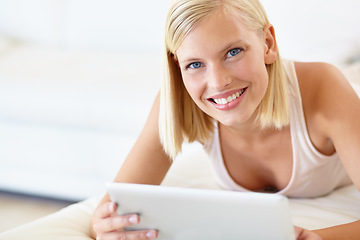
x=223 y=101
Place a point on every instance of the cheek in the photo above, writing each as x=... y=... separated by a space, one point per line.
x=258 y=73
x=194 y=88
x=264 y=78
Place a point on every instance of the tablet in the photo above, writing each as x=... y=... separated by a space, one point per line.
x=196 y=214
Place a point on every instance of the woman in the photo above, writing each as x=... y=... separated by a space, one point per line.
x=268 y=125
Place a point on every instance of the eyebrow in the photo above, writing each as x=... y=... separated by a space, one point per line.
x=232 y=43
x=227 y=46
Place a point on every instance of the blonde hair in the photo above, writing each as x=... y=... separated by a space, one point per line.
x=180 y=118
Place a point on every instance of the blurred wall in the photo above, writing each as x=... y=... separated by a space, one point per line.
x=316 y=30
x=325 y=30
x=114 y=25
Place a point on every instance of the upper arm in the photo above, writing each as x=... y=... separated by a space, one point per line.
x=338 y=111
x=146 y=162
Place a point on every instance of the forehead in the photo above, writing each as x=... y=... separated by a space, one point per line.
x=214 y=33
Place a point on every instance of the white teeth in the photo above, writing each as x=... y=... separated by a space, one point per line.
x=221 y=101
x=230 y=98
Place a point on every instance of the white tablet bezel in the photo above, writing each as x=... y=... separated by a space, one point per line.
x=195 y=214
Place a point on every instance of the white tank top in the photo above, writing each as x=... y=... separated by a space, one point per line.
x=313 y=173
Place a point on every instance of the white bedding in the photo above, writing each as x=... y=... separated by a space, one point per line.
x=192 y=169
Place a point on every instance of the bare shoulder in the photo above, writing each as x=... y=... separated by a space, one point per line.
x=327 y=96
x=318 y=77
x=332 y=113
x=323 y=88
x=324 y=92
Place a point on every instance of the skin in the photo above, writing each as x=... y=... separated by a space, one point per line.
x=210 y=66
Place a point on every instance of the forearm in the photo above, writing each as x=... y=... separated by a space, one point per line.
x=349 y=231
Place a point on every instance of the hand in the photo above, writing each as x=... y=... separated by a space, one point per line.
x=106 y=224
x=303 y=234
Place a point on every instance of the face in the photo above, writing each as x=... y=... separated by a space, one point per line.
x=223 y=68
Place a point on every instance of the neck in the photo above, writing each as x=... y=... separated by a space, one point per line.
x=245 y=130
x=250 y=129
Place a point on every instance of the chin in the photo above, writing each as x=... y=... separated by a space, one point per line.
x=231 y=122
x=235 y=119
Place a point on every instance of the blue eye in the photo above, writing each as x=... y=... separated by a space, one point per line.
x=195 y=65
x=233 y=52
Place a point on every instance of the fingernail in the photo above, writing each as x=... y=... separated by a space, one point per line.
x=111 y=208
x=134 y=219
x=151 y=235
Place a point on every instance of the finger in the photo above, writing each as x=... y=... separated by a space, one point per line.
x=302 y=234
x=116 y=223
x=105 y=210
x=129 y=235
x=298 y=231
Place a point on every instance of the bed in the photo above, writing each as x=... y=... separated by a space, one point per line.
x=192 y=169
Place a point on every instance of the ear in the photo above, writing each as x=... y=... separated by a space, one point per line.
x=270 y=44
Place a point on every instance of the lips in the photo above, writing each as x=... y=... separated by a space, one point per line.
x=228 y=97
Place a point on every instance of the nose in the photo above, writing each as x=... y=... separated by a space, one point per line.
x=219 y=77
